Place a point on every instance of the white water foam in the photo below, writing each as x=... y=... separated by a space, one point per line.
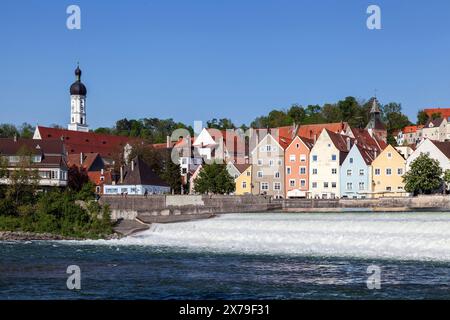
x=404 y=236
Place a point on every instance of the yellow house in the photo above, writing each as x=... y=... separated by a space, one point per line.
x=387 y=174
x=244 y=180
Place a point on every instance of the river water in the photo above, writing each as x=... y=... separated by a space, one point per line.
x=245 y=256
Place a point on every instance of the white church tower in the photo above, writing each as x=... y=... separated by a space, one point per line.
x=78 y=105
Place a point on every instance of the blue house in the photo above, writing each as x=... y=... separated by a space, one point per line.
x=356 y=172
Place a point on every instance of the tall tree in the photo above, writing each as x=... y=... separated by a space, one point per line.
x=424 y=176
x=214 y=178
x=422 y=117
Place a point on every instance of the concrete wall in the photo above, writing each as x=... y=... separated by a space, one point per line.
x=147 y=208
x=176 y=208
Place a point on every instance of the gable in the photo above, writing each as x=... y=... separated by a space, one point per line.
x=204 y=139
x=268 y=140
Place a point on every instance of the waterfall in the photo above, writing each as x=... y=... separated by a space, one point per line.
x=403 y=236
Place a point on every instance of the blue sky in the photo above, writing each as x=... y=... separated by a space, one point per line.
x=199 y=59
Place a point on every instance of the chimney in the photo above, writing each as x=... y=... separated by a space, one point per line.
x=81 y=158
x=121 y=174
x=132 y=165
x=348 y=144
x=168 y=141
x=315 y=138
x=15 y=137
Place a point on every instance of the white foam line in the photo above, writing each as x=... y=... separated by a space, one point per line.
x=404 y=236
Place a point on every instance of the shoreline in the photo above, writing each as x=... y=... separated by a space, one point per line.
x=131 y=227
x=33 y=236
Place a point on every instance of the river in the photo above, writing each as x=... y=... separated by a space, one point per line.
x=244 y=256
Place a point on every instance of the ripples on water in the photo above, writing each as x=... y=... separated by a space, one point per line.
x=276 y=256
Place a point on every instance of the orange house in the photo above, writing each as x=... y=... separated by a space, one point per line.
x=296 y=163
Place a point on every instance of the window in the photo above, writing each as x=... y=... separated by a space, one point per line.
x=388 y=171
x=349 y=186
x=277 y=186
x=297 y=146
x=333 y=157
x=302 y=170
x=325 y=184
x=361 y=172
x=244 y=184
x=277 y=174
x=361 y=186
x=333 y=184
x=400 y=188
x=377 y=172
x=302 y=183
x=292 y=183
x=292 y=158
x=288 y=170
x=333 y=171
x=271 y=163
x=389 y=155
x=400 y=171
x=349 y=172
x=249 y=173
x=314 y=158
x=260 y=162
x=279 y=162
x=351 y=160
x=303 y=157
x=314 y=185
x=314 y=171
x=268 y=148
x=388 y=188
x=264 y=186
x=260 y=174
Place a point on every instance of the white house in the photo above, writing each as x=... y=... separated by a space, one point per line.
x=137 y=179
x=434 y=149
x=326 y=157
x=435 y=129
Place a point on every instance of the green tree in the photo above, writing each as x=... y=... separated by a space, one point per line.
x=331 y=113
x=424 y=176
x=422 y=117
x=214 y=178
x=447 y=179
x=297 y=113
x=171 y=174
x=8 y=131
x=77 y=178
x=436 y=115
x=221 y=124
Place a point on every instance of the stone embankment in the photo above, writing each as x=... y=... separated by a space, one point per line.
x=135 y=213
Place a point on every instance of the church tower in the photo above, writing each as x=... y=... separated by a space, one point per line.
x=376 y=126
x=78 y=104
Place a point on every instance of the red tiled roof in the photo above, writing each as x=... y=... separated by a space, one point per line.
x=411 y=129
x=95 y=177
x=312 y=131
x=86 y=142
x=364 y=139
x=241 y=167
x=445 y=112
x=88 y=160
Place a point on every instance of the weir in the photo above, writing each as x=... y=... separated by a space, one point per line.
x=403 y=236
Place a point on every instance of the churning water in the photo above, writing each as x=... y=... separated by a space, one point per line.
x=240 y=256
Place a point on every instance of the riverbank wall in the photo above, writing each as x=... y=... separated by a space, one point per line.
x=172 y=208
x=136 y=213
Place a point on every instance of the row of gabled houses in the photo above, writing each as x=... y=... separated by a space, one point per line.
x=331 y=160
